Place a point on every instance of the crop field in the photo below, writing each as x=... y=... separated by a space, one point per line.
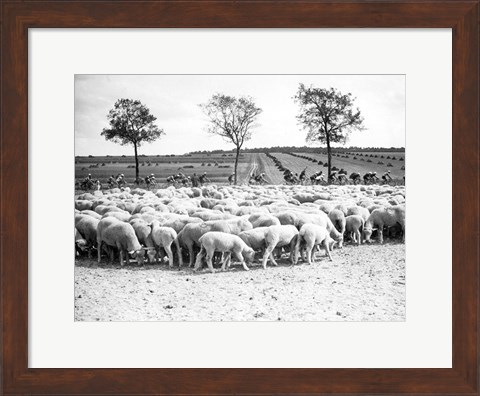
x=219 y=166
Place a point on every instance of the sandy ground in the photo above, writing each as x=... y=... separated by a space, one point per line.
x=365 y=283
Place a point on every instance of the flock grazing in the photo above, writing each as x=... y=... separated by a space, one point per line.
x=215 y=225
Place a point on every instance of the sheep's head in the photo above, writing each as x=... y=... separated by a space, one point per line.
x=338 y=239
x=81 y=244
x=151 y=253
x=139 y=255
x=367 y=233
x=249 y=255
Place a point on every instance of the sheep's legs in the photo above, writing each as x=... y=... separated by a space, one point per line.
x=357 y=237
x=226 y=256
x=168 y=249
x=198 y=262
x=309 y=251
x=327 y=249
x=268 y=252
x=209 y=262
x=190 y=253
x=380 y=235
x=99 y=251
x=293 y=244
x=121 y=257
x=239 y=256
x=179 y=250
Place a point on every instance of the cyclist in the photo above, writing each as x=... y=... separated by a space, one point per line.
x=368 y=177
x=204 y=179
x=333 y=177
x=260 y=179
x=356 y=178
x=302 y=175
x=112 y=182
x=386 y=177
x=195 y=180
x=342 y=177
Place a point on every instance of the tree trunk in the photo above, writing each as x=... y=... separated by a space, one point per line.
x=236 y=164
x=329 y=154
x=136 y=162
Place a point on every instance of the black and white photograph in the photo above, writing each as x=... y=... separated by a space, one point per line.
x=240 y=198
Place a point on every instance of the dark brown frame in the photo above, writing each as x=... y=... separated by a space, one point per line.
x=19 y=16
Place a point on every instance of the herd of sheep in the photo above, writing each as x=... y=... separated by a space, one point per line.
x=212 y=223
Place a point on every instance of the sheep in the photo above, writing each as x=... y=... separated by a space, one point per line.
x=313 y=235
x=255 y=238
x=337 y=217
x=215 y=241
x=83 y=204
x=178 y=223
x=279 y=236
x=102 y=209
x=143 y=231
x=354 y=227
x=80 y=243
x=122 y=216
x=87 y=227
x=115 y=233
x=384 y=217
x=191 y=233
x=91 y=213
x=358 y=210
x=298 y=219
x=263 y=220
x=210 y=215
x=163 y=237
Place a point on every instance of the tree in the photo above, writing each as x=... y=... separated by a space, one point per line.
x=131 y=123
x=232 y=119
x=328 y=116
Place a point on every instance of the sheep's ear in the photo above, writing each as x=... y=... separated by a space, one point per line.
x=131 y=252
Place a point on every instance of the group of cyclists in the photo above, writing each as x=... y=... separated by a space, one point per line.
x=184 y=180
x=336 y=177
x=255 y=178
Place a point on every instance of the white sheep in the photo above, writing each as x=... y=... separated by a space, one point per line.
x=214 y=241
x=143 y=231
x=389 y=217
x=313 y=235
x=276 y=237
x=358 y=210
x=354 y=227
x=87 y=227
x=337 y=217
x=120 y=235
x=263 y=220
x=163 y=237
x=191 y=233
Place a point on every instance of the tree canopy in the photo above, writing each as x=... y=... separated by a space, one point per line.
x=131 y=123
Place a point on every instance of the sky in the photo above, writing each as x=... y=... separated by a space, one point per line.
x=175 y=99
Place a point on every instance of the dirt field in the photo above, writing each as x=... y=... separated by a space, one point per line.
x=365 y=283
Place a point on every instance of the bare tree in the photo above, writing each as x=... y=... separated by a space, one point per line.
x=328 y=116
x=232 y=119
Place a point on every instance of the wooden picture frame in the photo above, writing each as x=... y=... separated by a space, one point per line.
x=19 y=16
